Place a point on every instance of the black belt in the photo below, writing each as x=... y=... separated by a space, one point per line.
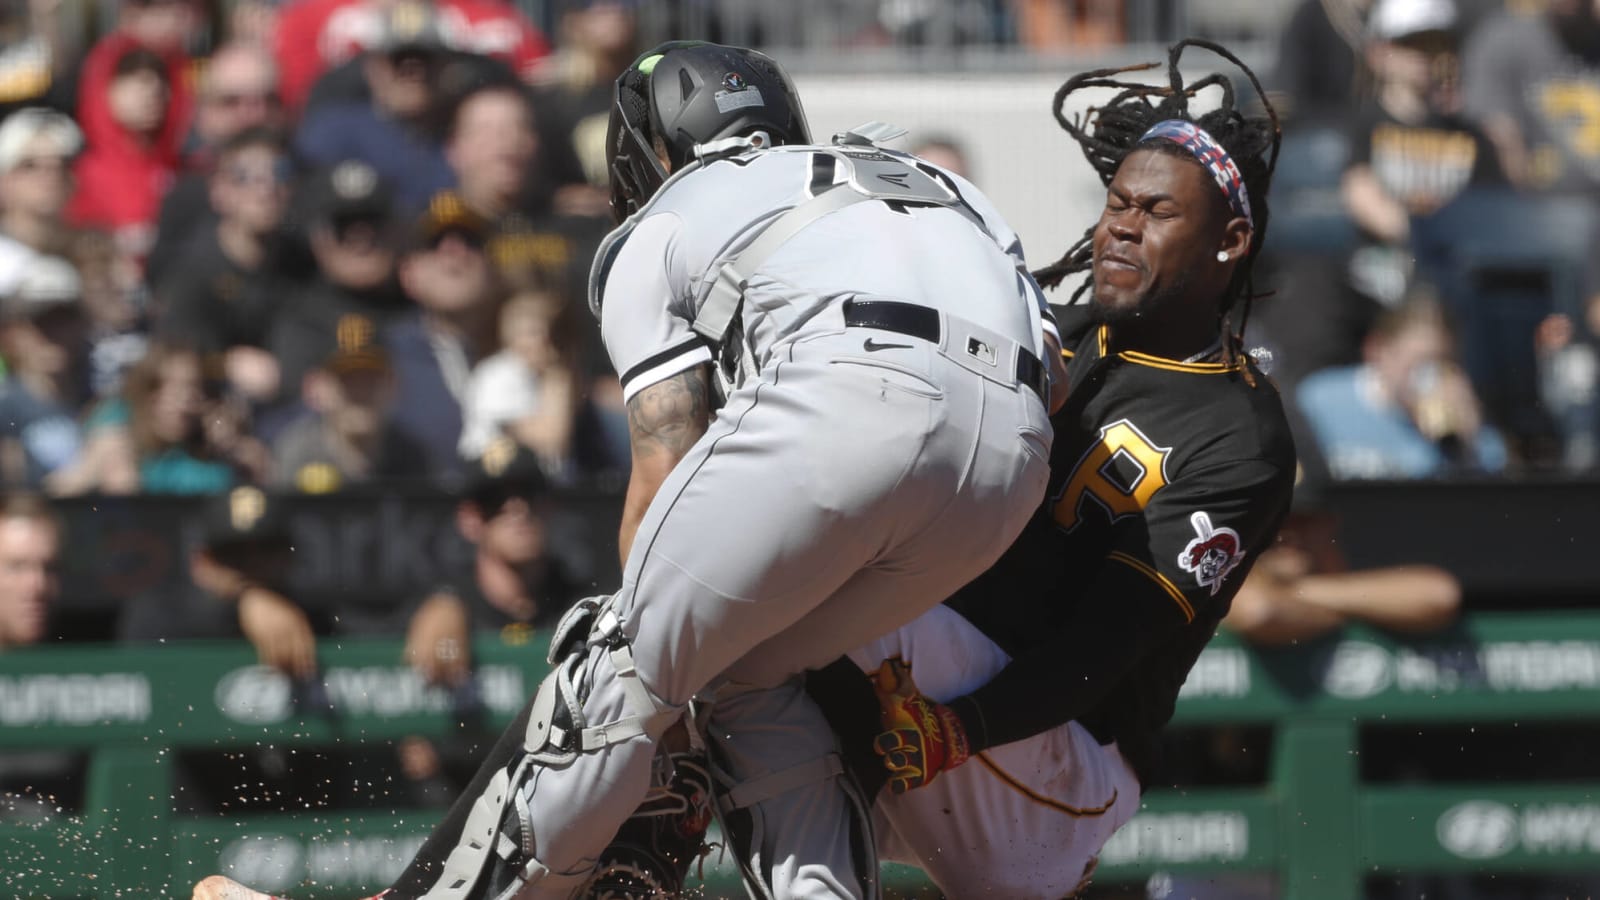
x=922 y=322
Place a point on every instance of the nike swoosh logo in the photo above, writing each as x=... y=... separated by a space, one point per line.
x=871 y=345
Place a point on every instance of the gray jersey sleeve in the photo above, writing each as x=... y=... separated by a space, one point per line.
x=644 y=313
x=1008 y=240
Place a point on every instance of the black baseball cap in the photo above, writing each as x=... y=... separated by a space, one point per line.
x=244 y=515
x=505 y=469
x=447 y=213
x=355 y=346
x=349 y=190
x=410 y=26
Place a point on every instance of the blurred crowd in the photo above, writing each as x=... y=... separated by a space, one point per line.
x=1436 y=207
x=348 y=246
x=263 y=248
x=257 y=250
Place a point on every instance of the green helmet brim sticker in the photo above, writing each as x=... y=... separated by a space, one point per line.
x=648 y=64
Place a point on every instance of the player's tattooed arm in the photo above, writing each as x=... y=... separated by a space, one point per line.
x=670 y=415
x=664 y=421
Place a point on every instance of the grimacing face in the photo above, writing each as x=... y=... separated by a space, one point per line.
x=1157 y=239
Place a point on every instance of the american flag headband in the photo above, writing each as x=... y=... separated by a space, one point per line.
x=1205 y=148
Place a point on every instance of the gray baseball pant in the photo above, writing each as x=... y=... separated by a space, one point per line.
x=836 y=497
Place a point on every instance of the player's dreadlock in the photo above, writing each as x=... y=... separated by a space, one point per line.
x=1109 y=133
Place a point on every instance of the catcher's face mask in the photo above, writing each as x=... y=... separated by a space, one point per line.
x=636 y=173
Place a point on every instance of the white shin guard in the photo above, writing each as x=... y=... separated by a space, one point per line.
x=494 y=857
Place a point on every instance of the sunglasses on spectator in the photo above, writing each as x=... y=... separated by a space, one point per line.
x=242 y=99
x=362 y=233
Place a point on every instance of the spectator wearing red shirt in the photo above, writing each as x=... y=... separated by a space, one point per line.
x=164 y=28
x=316 y=35
x=133 y=127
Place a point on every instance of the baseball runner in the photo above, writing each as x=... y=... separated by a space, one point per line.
x=1016 y=723
x=874 y=340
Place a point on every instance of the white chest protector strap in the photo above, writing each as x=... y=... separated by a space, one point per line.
x=869 y=174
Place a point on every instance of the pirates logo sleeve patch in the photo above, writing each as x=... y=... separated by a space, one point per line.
x=1212 y=554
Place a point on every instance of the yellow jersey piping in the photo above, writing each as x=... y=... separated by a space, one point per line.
x=1166 y=584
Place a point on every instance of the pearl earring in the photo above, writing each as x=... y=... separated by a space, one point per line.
x=1222 y=256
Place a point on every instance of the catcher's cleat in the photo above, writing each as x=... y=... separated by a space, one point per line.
x=649 y=859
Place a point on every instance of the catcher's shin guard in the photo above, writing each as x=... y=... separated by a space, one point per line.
x=744 y=828
x=493 y=859
x=651 y=855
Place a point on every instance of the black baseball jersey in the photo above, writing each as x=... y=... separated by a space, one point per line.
x=1167 y=479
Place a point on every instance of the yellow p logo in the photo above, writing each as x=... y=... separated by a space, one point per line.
x=1094 y=475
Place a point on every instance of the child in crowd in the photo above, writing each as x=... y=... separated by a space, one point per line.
x=527 y=389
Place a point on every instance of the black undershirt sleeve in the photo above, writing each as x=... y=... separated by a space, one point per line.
x=1099 y=645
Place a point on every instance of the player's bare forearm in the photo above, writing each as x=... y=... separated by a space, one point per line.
x=664 y=421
